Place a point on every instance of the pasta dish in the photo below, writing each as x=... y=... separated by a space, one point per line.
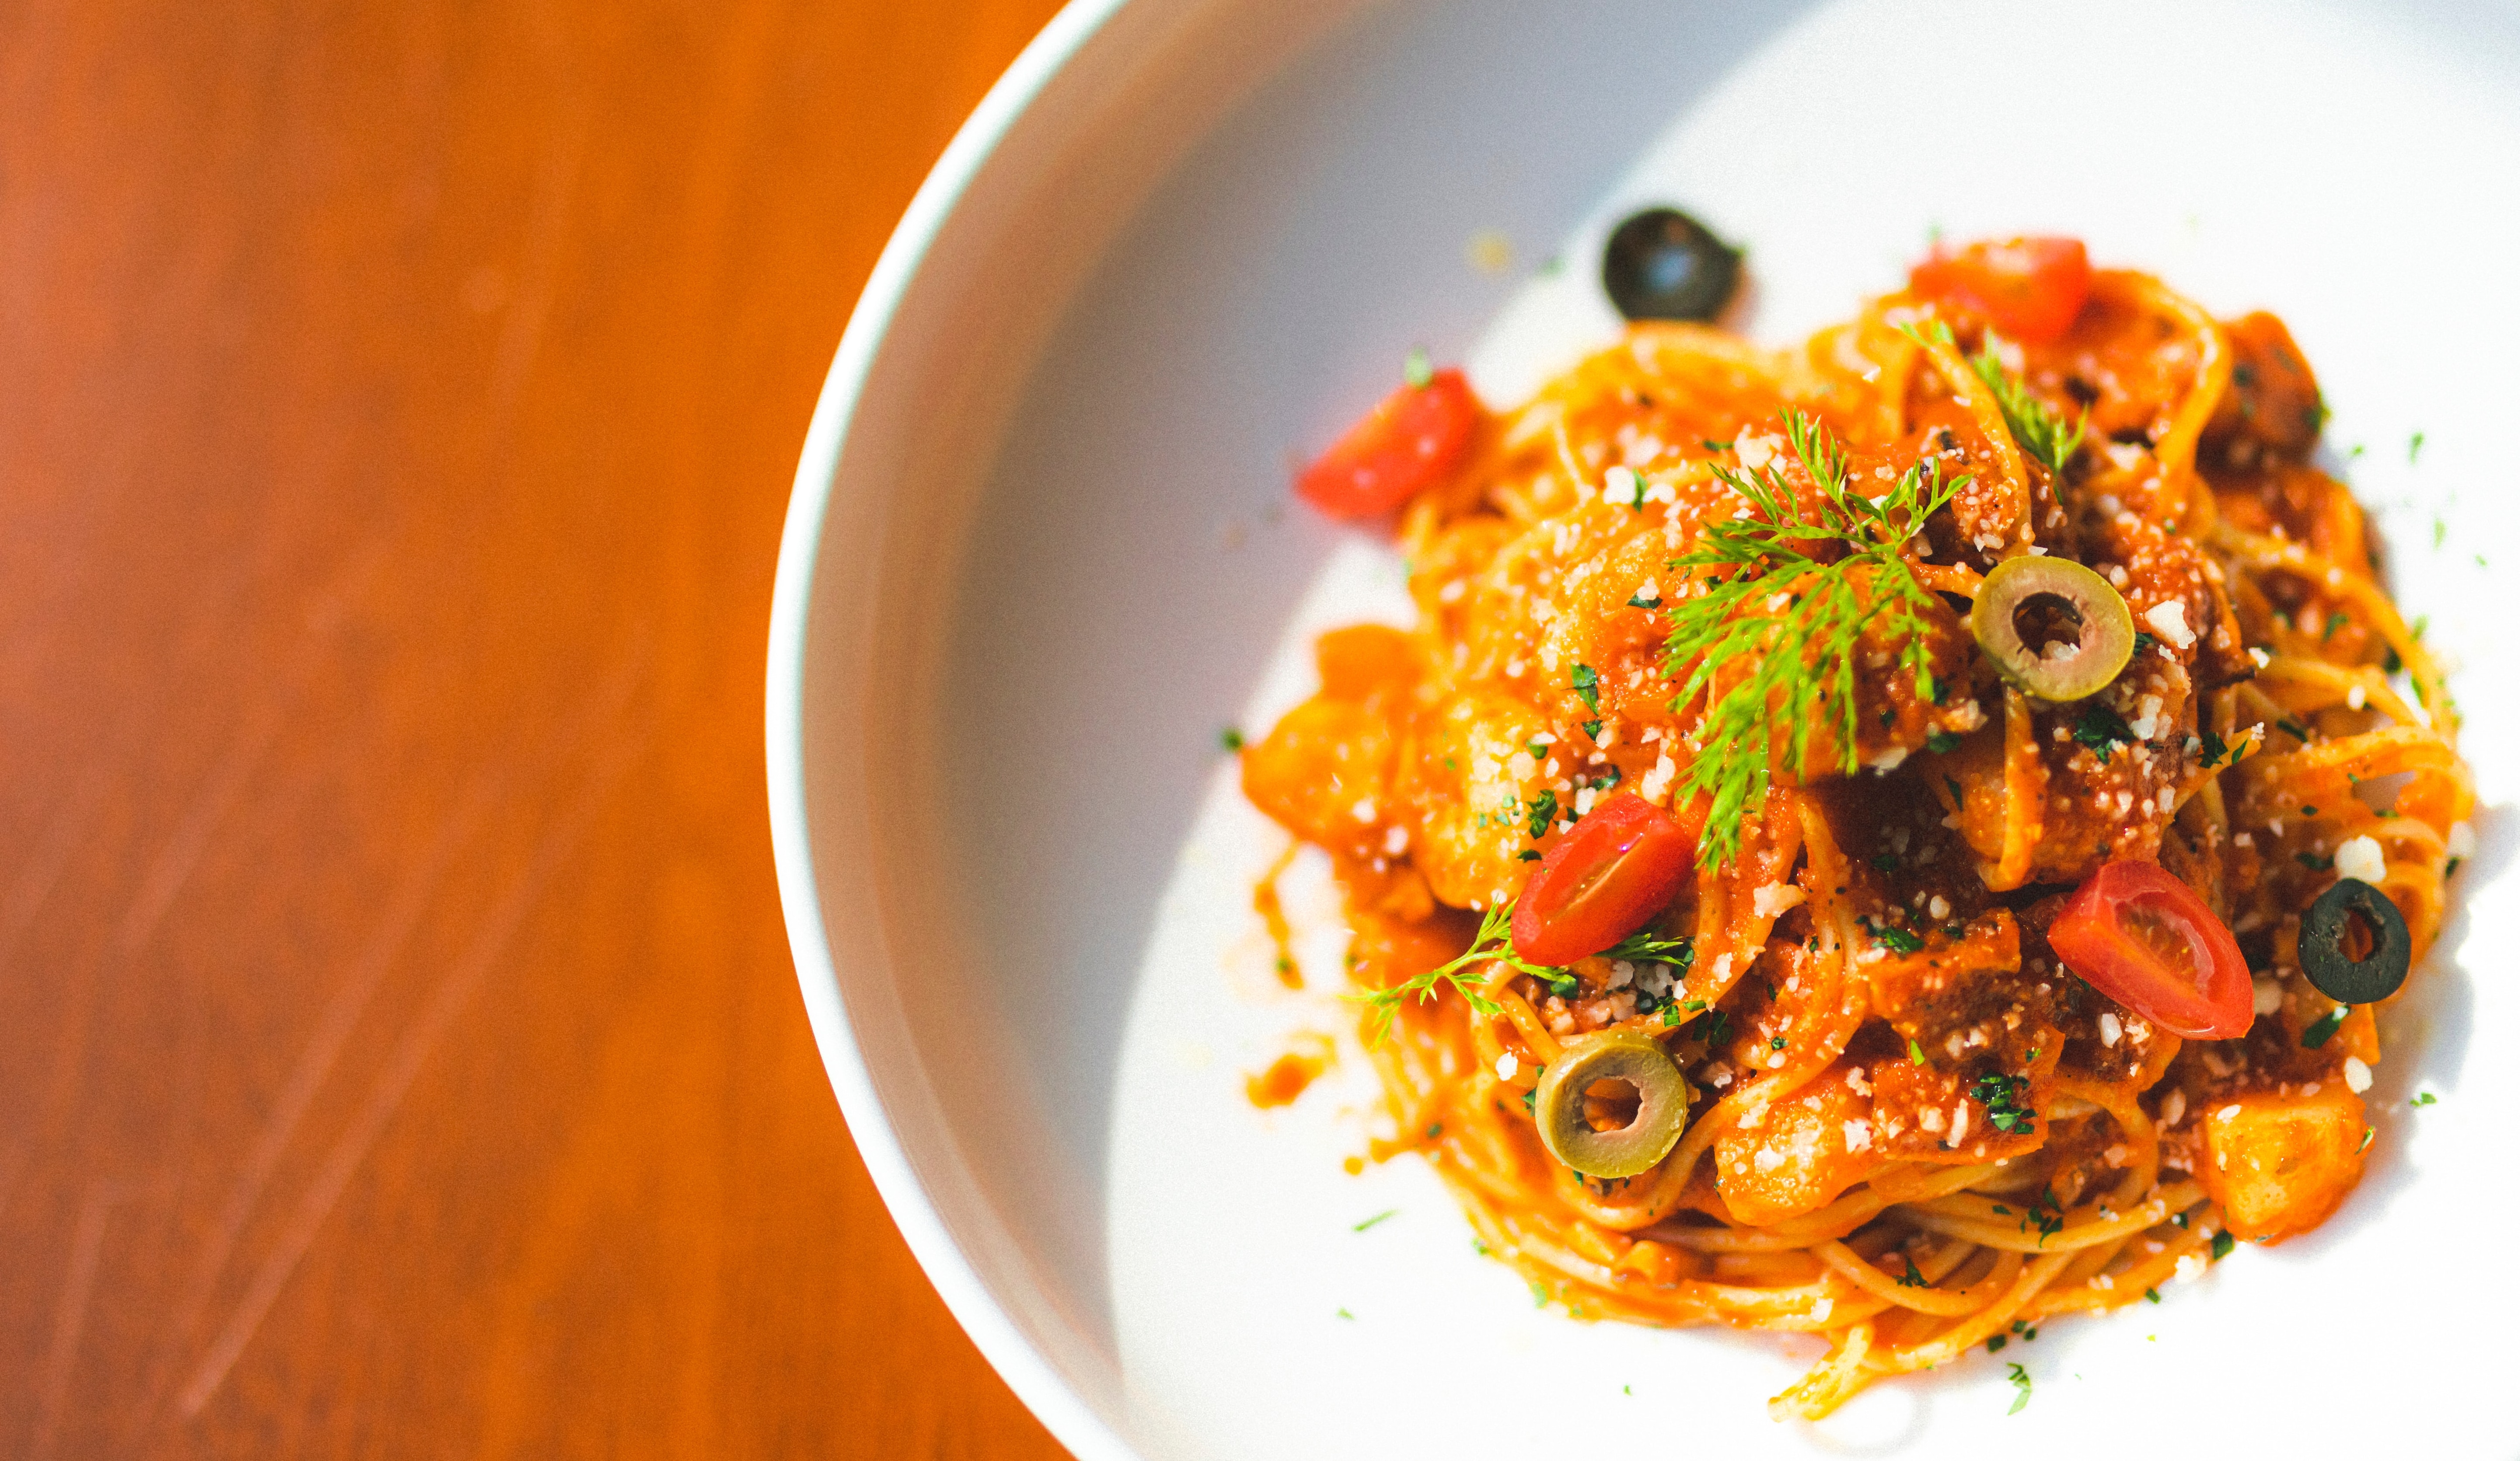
x=1896 y=840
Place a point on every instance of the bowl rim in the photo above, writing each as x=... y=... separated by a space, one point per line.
x=1017 y=1359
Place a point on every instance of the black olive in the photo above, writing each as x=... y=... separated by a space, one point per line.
x=1661 y=264
x=2329 y=940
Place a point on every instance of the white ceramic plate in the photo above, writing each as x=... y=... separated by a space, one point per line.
x=1041 y=552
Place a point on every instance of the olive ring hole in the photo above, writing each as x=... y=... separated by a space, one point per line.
x=2357 y=938
x=1611 y=1105
x=2049 y=626
x=2354 y=945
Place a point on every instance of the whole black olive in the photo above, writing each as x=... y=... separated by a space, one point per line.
x=1661 y=264
x=2354 y=965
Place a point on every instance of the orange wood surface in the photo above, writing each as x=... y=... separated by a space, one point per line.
x=399 y=1052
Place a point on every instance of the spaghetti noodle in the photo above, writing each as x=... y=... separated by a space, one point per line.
x=1912 y=1128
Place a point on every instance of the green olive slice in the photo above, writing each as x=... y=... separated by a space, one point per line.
x=2081 y=631
x=1628 y=1057
x=2354 y=943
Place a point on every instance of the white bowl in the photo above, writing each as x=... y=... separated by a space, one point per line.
x=1041 y=550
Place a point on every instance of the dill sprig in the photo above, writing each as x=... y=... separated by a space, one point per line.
x=2041 y=432
x=1495 y=943
x=1795 y=596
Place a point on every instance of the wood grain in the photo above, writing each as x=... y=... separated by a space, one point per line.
x=399 y=1054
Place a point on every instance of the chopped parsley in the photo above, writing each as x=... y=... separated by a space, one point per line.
x=2224 y=1243
x=2212 y=750
x=2425 y=1099
x=2102 y=729
x=1419 y=368
x=1641 y=602
x=2335 y=622
x=1915 y=1051
x=2152 y=1296
x=1996 y=1343
x=1231 y=738
x=2314 y=861
x=1885 y=862
x=1912 y=1279
x=2415 y=447
x=2001 y=1094
x=1776 y=1043
x=1896 y=940
x=1544 y=810
x=1794 y=599
x=1383 y=1217
x=2323 y=1029
x=2021 y=1383
x=1941 y=742
x=1588 y=685
x=2294 y=728
x=2047 y=1212
x=1646 y=945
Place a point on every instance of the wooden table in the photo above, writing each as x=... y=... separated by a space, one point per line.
x=399 y=1054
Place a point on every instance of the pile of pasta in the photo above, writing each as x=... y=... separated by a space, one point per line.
x=1839 y=1175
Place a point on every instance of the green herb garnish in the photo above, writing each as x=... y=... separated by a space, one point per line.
x=2102 y=729
x=2323 y=1029
x=2039 y=430
x=1494 y=942
x=1419 y=368
x=2020 y=1381
x=1544 y=810
x=2001 y=1094
x=1770 y=594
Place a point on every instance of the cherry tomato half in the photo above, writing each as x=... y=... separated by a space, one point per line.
x=1619 y=867
x=1402 y=447
x=2144 y=939
x=2030 y=289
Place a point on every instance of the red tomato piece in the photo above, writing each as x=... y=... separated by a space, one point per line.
x=2144 y=939
x=1620 y=864
x=2030 y=289
x=1402 y=447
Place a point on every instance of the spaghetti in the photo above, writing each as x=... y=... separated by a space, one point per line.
x=1911 y=1127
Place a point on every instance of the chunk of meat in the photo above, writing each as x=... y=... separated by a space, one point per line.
x=2281 y=1163
x=1365 y=660
x=1801 y=1152
x=1481 y=799
x=2272 y=405
x=1324 y=773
